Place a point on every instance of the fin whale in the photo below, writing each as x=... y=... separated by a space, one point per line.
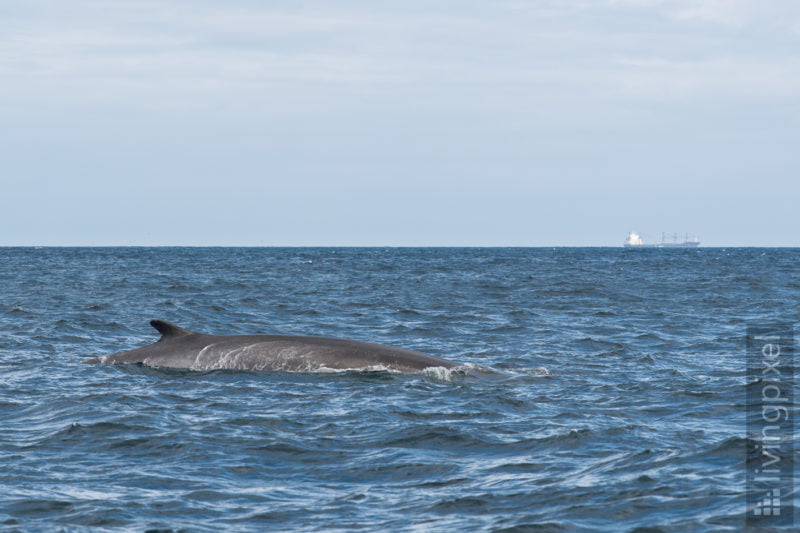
x=180 y=348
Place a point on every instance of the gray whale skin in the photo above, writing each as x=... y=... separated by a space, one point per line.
x=179 y=348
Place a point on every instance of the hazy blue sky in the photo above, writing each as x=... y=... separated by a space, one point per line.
x=367 y=122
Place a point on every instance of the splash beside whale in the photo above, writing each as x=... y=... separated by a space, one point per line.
x=180 y=348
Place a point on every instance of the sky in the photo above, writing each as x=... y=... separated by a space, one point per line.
x=413 y=123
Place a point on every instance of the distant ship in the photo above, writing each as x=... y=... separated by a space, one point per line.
x=634 y=240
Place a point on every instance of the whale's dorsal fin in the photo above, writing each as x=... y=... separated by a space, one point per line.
x=168 y=330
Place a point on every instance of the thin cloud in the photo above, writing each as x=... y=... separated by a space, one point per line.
x=553 y=43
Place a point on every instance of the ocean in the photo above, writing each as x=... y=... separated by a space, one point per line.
x=618 y=402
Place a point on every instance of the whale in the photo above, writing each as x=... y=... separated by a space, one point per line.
x=181 y=348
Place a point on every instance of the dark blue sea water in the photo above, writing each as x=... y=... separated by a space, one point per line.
x=619 y=404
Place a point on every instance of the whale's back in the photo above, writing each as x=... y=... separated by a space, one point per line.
x=179 y=348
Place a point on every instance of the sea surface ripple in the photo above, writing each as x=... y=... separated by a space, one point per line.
x=618 y=406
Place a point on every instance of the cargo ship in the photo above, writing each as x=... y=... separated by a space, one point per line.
x=634 y=240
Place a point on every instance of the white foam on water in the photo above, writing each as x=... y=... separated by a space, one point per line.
x=538 y=371
x=441 y=373
x=371 y=368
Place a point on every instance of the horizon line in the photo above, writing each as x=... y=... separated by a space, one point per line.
x=39 y=246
